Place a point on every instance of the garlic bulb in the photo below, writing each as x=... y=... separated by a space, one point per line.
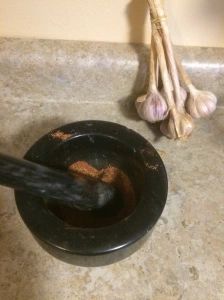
x=200 y=103
x=177 y=125
x=152 y=107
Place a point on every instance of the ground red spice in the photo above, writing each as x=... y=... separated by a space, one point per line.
x=105 y=216
x=111 y=175
x=83 y=168
x=61 y=135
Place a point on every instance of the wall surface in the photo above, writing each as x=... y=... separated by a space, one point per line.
x=199 y=22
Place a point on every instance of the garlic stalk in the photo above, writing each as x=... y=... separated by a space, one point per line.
x=152 y=107
x=179 y=124
x=183 y=96
x=199 y=103
x=158 y=16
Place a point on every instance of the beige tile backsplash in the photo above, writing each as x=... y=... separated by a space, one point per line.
x=198 y=23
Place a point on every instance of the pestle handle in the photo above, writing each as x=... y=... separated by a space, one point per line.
x=30 y=177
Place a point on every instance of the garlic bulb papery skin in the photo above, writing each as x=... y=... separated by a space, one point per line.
x=200 y=103
x=152 y=107
x=178 y=125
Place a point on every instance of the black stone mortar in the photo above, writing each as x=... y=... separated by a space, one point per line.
x=100 y=144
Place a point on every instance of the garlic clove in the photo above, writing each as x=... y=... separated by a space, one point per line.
x=201 y=103
x=178 y=125
x=152 y=107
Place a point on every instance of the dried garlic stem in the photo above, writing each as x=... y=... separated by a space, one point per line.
x=183 y=74
x=166 y=80
x=163 y=68
x=152 y=68
x=158 y=14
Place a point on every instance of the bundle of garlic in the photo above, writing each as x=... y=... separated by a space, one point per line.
x=171 y=106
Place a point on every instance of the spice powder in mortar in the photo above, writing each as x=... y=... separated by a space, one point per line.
x=118 y=209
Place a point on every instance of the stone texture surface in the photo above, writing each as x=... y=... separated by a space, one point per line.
x=184 y=257
x=44 y=84
x=85 y=71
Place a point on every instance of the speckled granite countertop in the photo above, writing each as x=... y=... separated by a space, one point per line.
x=184 y=257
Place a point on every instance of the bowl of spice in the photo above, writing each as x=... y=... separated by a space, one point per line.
x=111 y=153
